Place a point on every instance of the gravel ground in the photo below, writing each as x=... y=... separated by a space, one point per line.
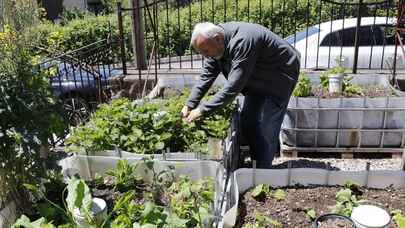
x=338 y=164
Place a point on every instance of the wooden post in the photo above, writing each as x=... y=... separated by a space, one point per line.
x=403 y=160
x=138 y=35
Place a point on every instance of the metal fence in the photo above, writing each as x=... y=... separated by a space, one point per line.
x=358 y=34
x=80 y=77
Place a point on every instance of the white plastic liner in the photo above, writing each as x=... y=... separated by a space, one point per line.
x=244 y=179
x=88 y=166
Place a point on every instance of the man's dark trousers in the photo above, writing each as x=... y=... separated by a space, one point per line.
x=262 y=117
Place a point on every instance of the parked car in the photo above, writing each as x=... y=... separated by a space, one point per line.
x=321 y=45
x=77 y=86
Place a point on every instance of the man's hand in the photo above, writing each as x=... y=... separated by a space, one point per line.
x=185 y=111
x=194 y=114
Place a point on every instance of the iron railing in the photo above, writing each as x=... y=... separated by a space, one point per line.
x=324 y=31
x=80 y=77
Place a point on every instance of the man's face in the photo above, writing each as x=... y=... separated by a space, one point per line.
x=213 y=48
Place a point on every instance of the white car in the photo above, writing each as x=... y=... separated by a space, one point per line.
x=321 y=46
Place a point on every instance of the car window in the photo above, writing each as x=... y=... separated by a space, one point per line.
x=302 y=35
x=369 y=35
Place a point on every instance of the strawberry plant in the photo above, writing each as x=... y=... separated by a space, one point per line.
x=148 y=128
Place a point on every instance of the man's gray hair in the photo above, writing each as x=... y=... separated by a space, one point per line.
x=207 y=30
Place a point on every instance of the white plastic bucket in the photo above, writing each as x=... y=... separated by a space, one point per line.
x=335 y=83
x=370 y=216
x=99 y=211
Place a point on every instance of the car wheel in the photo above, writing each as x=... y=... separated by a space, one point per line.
x=77 y=110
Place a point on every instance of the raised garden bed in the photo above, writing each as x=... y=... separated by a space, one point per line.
x=138 y=193
x=346 y=122
x=134 y=128
x=298 y=206
x=295 y=197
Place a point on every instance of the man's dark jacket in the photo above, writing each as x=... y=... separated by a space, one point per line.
x=255 y=62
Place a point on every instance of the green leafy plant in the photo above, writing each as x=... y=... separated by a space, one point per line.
x=349 y=89
x=279 y=195
x=398 y=218
x=261 y=220
x=311 y=213
x=24 y=221
x=124 y=175
x=260 y=191
x=345 y=202
x=148 y=128
x=303 y=87
x=30 y=116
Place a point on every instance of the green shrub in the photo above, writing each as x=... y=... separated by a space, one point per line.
x=29 y=116
x=79 y=32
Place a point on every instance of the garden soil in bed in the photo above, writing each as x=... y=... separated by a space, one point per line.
x=371 y=91
x=291 y=212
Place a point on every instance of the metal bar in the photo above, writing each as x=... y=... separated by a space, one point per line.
x=296 y=119
x=373 y=40
x=341 y=46
x=306 y=40
x=138 y=36
x=248 y=10
x=190 y=30
x=121 y=38
x=271 y=14
x=212 y=11
x=357 y=37
x=384 y=123
x=282 y=20
x=260 y=11
x=361 y=123
x=224 y=10
x=201 y=20
x=338 y=125
x=317 y=122
x=295 y=23
x=330 y=41
x=319 y=34
x=397 y=37
x=168 y=32
x=179 y=28
x=157 y=46
x=156 y=41
x=385 y=33
x=236 y=9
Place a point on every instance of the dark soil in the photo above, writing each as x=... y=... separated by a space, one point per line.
x=291 y=212
x=370 y=91
x=107 y=192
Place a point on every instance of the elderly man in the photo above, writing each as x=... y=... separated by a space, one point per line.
x=257 y=63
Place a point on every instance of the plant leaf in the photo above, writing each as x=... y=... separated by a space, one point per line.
x=259 y=190
x=311 y=214
x=280 y=194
